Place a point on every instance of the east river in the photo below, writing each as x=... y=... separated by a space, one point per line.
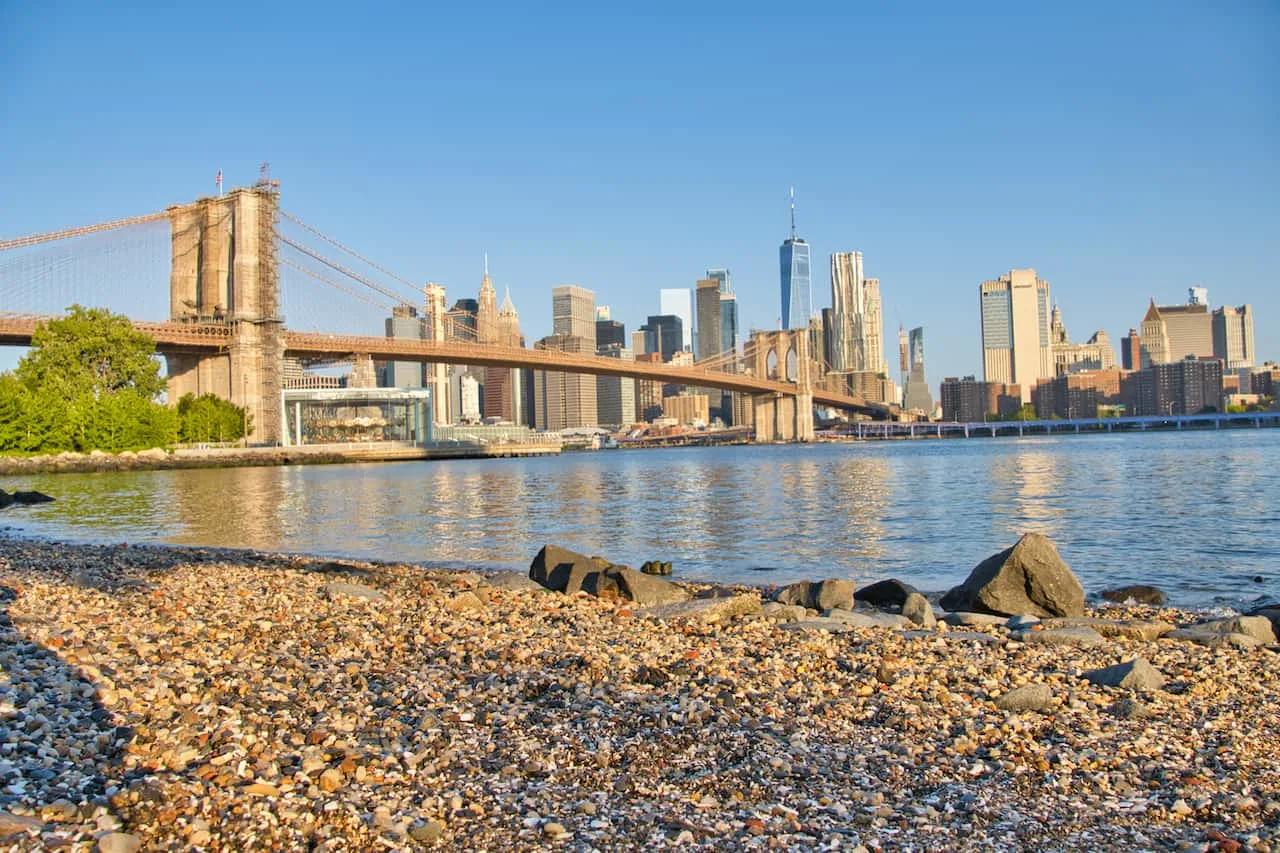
x=1196 y=513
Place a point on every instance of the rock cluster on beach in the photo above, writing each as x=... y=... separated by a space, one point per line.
x=194 y=699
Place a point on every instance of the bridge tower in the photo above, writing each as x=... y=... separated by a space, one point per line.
x=224 y=271
x=782 y=355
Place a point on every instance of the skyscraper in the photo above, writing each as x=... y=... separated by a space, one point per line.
x=487 y=309
x=728 y=321
x=709 y=319
x=793 y=262
x=857 y=336
x=1233 y=336
x=679 y=302
x=846 y=319
x=503 y=397
x=1173 y=332
x=1016 y=345
x=573 y=312
x=915 y=389
x=662 y=335
x=437 y=374
x=404 y=323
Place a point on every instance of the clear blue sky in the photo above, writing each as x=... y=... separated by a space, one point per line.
x=1124 y=150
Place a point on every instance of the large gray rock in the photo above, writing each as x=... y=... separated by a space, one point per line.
x=563 y=570
x=868 y=618
x=644 y=590
x=1077 y=636
x=569 y=572
x=1029 y=577
x=1258 y=627
x=1272 y=612
x=1124 y=629
x=918 y=609
x=973 y=620
x=1137 y=593
x=707 y=609
x=1213 y=639
x=1136 y=675
x=830 y=594
x=890 y=593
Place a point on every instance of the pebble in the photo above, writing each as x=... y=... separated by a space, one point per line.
x=226 y=700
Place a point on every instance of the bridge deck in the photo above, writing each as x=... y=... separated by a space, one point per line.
x=173 y=337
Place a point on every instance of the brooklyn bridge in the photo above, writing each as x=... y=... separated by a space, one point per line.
x=237 y=264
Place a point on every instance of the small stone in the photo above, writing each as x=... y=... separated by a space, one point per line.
x=464 y=602
x=262 y=789
x=554 y=830
x=1136 y=594
x=331 y=780
x=119 y=842
x=352 y=590
x=1028 y=697
x=426 y=831
x=918 y=609
x=1136 y=675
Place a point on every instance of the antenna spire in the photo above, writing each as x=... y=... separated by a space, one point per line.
x=793 y=212
x=486 y=263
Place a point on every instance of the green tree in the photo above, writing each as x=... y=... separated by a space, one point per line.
x=91 y=351
x=89 y=382
x=210 y=418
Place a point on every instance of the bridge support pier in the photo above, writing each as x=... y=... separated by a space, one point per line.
x=780 y=417
x=224 y=271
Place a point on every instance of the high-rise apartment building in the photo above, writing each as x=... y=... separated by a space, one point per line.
x=1174 y=332
x=1016 y=347
x=1185 y=387
x=846 y=316
x=573 y=312
x=1233 y=336
x=857 y=336
x=678 y=301
x=709 y=319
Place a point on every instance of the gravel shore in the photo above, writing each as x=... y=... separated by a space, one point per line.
x=173 y=699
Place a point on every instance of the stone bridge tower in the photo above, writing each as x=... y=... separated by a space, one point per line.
x=224 y=271
x=782 y=355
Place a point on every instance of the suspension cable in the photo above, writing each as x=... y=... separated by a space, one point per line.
x=67 y=233
x=295 y=220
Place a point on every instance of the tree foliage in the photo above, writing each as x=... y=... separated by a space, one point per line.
x=210 y=418
x=89 y=382
x=92 y=351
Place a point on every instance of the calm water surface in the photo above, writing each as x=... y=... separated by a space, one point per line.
x=1197 y=514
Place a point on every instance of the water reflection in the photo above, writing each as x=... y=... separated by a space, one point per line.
x=1191 y=512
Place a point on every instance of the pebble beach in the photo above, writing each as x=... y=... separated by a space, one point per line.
x=160 y=698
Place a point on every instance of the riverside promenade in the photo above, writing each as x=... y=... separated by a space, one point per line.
x=165 y=698
x=991 y=429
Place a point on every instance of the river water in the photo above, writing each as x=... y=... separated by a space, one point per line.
x=1196 y=513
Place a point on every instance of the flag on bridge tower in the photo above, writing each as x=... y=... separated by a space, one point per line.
x=218 y=181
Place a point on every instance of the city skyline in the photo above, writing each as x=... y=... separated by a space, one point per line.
x=510 y=149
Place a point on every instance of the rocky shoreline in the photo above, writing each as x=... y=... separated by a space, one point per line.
x=171 y=699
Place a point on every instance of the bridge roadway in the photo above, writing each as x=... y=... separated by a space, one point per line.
x=16 y=330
